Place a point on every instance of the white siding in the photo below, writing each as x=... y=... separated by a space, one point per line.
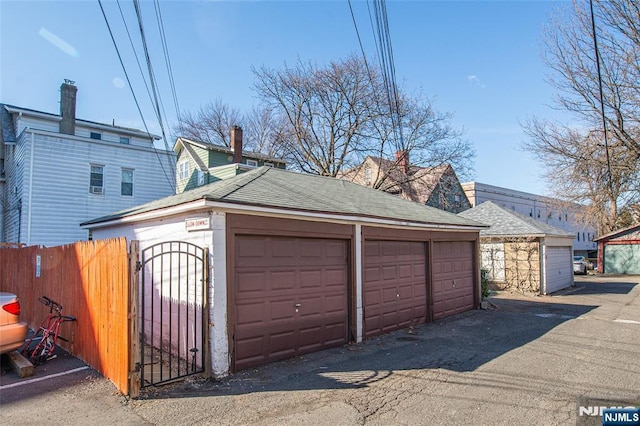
x=541 y=208
x=13 y=202
x=60 y=186
x=36 y=123
x=558 y=268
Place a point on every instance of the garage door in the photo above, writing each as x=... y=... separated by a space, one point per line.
x=453 y=275
x=559 y=268
x=394 y=286
x=622 y=259
x=290 y=297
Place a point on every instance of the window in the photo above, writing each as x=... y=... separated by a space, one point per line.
x=252 y=163
x=96 y=182
x=126 y=185
x=200 y=177
x=578 y=236
x=583 y=239
x=125 y=140
x=95 y=135
x=269 y=164
x=367 y=176
x=184 y=170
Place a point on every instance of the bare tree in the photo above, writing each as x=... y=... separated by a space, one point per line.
x=580 y=163
x=326 y=110
x=212 y=123
x=335 y=116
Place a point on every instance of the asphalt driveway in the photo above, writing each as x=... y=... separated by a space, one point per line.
x=531 y=360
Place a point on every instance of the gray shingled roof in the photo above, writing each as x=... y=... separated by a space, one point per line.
x=228 y=150
x=8 y=133
x=277 y=188
x=507 y=223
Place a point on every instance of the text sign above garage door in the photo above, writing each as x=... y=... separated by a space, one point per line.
x=198 y=224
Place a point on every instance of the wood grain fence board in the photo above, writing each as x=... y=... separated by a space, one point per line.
x=91 y=281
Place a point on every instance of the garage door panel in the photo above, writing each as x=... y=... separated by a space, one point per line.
x=394 y=285
x=559 y=268
x=453 y=277
x=290 y=298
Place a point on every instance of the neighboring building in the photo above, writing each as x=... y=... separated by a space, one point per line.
x=521 y=253
x=432 y=186
x=619 y=251
x=201 y=163
x=299 y=263
x=548 y=210
x=57 y=171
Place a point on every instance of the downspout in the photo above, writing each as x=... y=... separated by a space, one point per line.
x=33 y=148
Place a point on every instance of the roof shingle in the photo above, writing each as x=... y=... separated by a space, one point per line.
x=277 y=188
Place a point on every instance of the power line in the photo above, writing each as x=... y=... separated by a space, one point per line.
x=135 y=52
x=604 y=120
x=115 y=45
x=167 y=57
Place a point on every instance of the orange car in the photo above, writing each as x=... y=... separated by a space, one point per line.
x=13 y=332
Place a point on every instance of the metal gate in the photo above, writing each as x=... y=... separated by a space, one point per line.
x=173 y=311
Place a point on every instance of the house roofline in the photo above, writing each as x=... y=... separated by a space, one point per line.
x=169 y=154
x=227 y=150
x=49 y=116
x=241 y=208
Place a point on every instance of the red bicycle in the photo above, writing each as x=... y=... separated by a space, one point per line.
x=47 y=335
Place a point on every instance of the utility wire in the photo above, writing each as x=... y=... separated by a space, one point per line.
x=152 y=78
x=115 y=45
x=167 y=57
x=135 y=52
x=604 y=120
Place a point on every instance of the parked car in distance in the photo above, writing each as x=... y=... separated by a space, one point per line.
x=13 y=332
x=580 y=265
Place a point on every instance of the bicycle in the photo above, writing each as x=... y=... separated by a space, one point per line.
x=47 y=334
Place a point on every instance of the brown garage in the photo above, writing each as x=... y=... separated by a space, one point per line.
x=300 y=262
x=394 y=285
x=453 y=277
x=291 y=297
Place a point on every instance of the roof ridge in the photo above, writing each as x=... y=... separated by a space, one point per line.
x=243 y=180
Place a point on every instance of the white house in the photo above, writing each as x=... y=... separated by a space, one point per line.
x=57 y=171
x=551 y=211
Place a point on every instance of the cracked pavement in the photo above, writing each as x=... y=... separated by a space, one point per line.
x=530 y=360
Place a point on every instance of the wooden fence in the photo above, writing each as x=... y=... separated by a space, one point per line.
x=91 y=280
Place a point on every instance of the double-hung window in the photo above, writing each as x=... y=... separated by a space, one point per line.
x=126 y=185
x=96 y=181
x=184 y=170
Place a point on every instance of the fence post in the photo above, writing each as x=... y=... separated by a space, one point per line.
x=134 y=332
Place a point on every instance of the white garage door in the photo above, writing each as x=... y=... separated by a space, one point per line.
x=559 y=269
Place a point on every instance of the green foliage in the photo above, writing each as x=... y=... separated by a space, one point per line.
x=484 y=283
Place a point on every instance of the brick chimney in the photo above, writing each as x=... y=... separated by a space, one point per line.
x=68 y=92
x=402 y=160
x=236 y=143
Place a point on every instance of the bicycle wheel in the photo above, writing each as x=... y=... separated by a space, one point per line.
x=35 y=337
x=42 y=351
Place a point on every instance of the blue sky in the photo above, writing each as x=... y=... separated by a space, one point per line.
x=479 y=60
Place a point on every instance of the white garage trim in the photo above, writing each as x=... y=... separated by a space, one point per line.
x=219 y=335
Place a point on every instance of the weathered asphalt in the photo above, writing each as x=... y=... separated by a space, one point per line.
x=531 y=360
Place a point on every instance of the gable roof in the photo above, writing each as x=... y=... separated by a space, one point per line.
x=292 y=191
x=418 y=183
x=186 y=143
x=630 y=233
x=507 y=223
